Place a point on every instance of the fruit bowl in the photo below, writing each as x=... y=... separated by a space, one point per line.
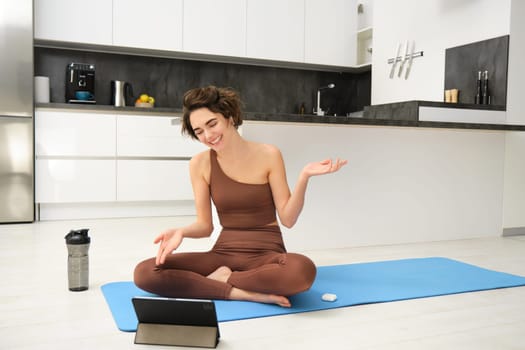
x=143 y=105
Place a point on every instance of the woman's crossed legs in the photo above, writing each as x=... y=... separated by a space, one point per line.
x=268 y=277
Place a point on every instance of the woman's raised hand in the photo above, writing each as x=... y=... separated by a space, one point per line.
x=169 y=241
x=326 y=166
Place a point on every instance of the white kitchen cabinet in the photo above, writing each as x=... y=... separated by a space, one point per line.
x=74 y=20
x=103 y=165
x=330 y=32
x=74 y=157
x=145 y=177
x=74 y=180
x=275 y=30
x=93 y=157
x=300 y=31
x=64 y=133
x=151 y=136
x=365 y=31
x=365 y=14
x=158 y=180
x=215 y=27
x=156 y=24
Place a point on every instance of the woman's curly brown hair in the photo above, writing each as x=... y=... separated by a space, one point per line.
x=225 y=101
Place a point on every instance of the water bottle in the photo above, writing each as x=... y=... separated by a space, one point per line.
x=77 y=242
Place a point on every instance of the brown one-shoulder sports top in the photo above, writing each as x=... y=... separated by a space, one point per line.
x=240 y=205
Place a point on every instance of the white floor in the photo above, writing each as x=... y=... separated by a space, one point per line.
x=38 y=312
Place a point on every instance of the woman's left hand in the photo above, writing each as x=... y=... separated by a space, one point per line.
x=326 y=166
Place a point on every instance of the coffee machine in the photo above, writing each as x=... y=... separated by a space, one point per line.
x=80 y=83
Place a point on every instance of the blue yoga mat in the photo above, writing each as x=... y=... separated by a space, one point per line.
x=354 y=284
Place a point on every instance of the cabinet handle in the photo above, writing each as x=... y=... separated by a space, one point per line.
x=176 y=121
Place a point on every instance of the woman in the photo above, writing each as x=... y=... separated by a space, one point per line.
x=247 y=183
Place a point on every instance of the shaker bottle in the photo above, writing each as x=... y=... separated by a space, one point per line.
x=77 y=242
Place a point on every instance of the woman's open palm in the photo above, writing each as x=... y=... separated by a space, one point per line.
x=326 y=166
x=169 y=241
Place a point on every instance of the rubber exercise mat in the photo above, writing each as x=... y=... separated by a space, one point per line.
x=354 y=284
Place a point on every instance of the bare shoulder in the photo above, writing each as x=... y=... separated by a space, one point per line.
x=270 y=156
x=200 y=164
x=270 y=152
x=200 y=158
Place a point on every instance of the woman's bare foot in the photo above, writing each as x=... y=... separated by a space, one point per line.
x=221 y=274
x=240 y=294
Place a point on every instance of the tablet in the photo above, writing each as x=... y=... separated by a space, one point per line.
x=170 y=321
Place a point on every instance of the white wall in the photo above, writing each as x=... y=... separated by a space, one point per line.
x=514 y=190
x=401 y=184
x=435 y=25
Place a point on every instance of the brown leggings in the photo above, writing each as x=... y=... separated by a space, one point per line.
x=257 y=258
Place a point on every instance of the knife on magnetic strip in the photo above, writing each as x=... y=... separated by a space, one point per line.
x=394 y=64
x=405 y=58
x=411 y=57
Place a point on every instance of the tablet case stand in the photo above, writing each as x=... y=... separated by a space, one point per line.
x=179 y=335
x=178 y=322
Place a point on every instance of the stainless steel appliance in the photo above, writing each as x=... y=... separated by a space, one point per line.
x=120 y=91
x=80 y=83
x=16 y=112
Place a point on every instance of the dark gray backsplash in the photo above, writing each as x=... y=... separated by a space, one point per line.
x=462 y=64
x=263 y=89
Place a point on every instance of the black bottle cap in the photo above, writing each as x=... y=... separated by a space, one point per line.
x=78 y=236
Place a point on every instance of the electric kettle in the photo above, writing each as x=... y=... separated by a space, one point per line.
x=120 y=91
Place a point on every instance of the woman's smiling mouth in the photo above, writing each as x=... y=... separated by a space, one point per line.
x=215 y=141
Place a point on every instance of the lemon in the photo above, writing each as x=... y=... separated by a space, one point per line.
x=144 y=98
x=151 y=100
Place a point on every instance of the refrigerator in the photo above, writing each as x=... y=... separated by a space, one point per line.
x=16 y=112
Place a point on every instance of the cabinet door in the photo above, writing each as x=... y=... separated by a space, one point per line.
x=74 y=134
x=149 y=136
x=275 y=30
x=74 y=181
x=330 y=32
x=215 y=27
x=153 y=180
x=155 y=24
x=74 y=20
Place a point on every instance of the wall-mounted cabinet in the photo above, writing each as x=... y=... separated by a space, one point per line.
x=220 y=30
x=75 y=21
x=275 y=30
x=292 y=33
x=156 y=24
x=330 y=32
x=365 y=32
x=365 y=14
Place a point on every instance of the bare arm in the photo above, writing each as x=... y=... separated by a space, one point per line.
x=289 y=205
x=202 y=227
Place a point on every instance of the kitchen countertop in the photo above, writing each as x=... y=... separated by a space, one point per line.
x=373 y=115
x=409 y=110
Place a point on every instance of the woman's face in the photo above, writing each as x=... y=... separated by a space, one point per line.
x=210 y=128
